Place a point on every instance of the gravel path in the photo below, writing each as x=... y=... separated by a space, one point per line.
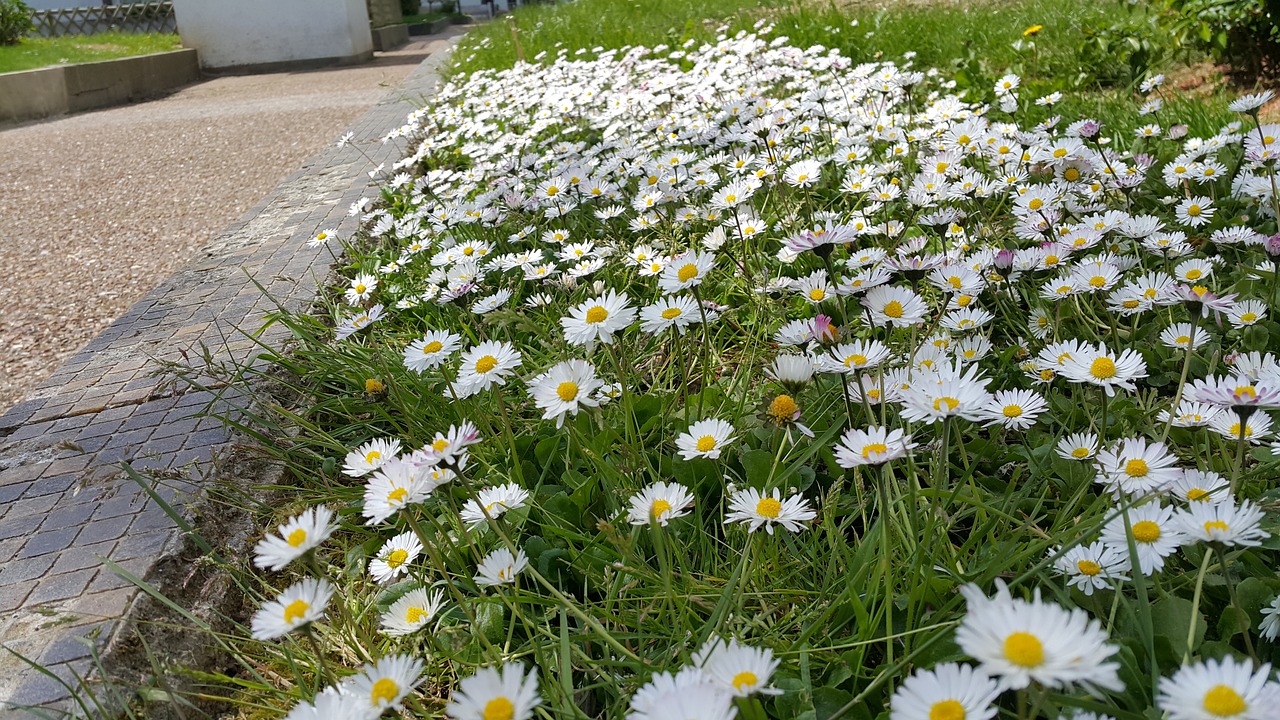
x=96 y=209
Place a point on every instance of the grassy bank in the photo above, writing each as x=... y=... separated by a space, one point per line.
x=34 y=52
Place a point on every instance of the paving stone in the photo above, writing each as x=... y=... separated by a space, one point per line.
x=61 y=586
x=24 y=569
x=13 y=596
x=11 y=526
x=48 y=541
x=79 y=556
x=106 y=529
x=75 y=643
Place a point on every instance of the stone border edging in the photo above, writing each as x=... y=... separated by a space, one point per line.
x=57 y=90
x=64 y=505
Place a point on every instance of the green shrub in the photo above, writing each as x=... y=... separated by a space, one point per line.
x=1243 y=33
x=410 y=7
x=15 y=21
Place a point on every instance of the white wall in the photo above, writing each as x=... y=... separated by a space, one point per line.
x=229 y=33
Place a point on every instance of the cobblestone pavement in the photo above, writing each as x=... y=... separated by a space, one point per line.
x=64 y=504
x=98 y=206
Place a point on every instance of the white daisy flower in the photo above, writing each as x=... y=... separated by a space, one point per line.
x=394 y=558
x=1099 y=366
x=1017 y=409
x=894 y=306
x=704 y=439
x=740 y=670
x=661 y=501
x=386 y=683
x=1092 y=567
x=950 y=691
x=1270 y=625
x=598 y=320
x=501 y=567
x=1198 y=486
x=1226 y=689
x=362 y=287
x=1136 y=467
x=495 y=501
x=484 y=366
x=1155 y=535
x=673 y=311
x=395 y=485
x=370 y=456
x=874 y=446
x=757 y=509
x=298 y=605
x=1222 y=522
x=432 y=350
x=1078 y=446
x=564 y=389
x=504 y=692
x=303 y=532
x=685 y=271
x=412 y=611
x=1022 y=642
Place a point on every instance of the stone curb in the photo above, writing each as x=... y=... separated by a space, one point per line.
x=45 y=92
x=65 y=504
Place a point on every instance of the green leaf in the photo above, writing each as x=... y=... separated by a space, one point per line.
x=489 y=619
x=1171 y=619
x=756 y=465
x=828 y=700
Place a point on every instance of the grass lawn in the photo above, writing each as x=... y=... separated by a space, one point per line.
x=34 y=52
x=426 y=17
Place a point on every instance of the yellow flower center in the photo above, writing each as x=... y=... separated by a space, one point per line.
x=1012 y=411
x=322 y=236
x=1071 y=174
x=373 y=386
x=1145 y=531
x=1194 y=274
x=384 y=691
x=1088 y=567
x=873 y=448
x=687 y=273
x=397 y=558
x=817 y=294
x=486 y=363
x=439 y=445
x=1248 y=317
x=1080 y=453
x=660 y=508
x=432 y=347
x=415 y=615
x=1035 y=204
x=567 y=391
x=1136 y=468
x=1218 y=525
x=1046 y=374
x=360 y=289
x=372 y=456
x=1103 y=368
x=745 y=679
x=855 y=359
x=893 y=309
x=783 y=408
x=597 y=314
x=468 y=251
x=1193 y=211
x=1097 y=281
x=553 y=191
x=768 y=507
x=1182 y=340
x=1024 y=650
x=1224 y=701
x=706 y=443
x=397 y=496
x=1197 y=495
x=950 y=402
x=946 y=710
x=295 y=611
x=297 y=537
x=1246 y=392
x=499 y=708
x=671 y=313
x=1129 y=304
